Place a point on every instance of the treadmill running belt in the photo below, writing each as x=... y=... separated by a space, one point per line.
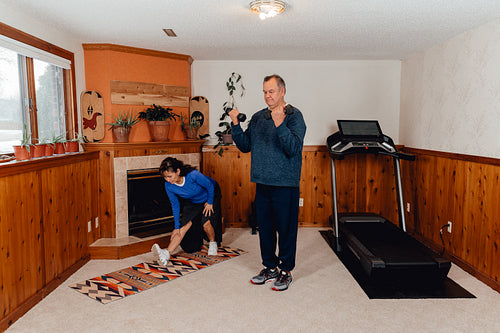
x=388 y=242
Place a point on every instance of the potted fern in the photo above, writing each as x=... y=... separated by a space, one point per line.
x=159 y=119
x=122 y=125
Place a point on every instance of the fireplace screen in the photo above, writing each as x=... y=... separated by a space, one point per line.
x=149 y=210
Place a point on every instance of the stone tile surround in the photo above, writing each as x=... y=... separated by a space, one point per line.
x=124 y=164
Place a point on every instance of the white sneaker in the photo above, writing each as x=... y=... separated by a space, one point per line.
x=161 y=256
x=212 y=249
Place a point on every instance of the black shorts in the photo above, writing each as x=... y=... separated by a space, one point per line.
x=191 y=210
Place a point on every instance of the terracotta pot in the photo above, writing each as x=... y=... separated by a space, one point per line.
x=37 y=151
x=49 y=149
x=227 y=138
x=121 y=134
x=21 y=153
x=59 y=148
x=159 y=130
x=72 y=146
x=192 y=133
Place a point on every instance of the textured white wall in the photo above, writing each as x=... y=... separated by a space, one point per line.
x=450 y=95
x=323 y=90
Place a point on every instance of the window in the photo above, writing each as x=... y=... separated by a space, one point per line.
x=11 y=110
x=36 y=89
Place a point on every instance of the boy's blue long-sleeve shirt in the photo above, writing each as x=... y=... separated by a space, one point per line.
x=197 y=188
x=276 y=151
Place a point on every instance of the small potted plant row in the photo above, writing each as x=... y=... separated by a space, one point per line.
x=58 y=144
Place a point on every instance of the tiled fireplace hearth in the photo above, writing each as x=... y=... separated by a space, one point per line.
x=124 y=164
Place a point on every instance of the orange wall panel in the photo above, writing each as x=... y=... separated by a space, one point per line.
x=105 y=64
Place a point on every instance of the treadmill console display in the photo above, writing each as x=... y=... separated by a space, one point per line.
x=359 y=128
x=356 y=136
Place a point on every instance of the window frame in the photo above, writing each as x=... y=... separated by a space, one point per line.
x=69 y=80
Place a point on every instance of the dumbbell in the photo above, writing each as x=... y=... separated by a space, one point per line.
x=241 y=116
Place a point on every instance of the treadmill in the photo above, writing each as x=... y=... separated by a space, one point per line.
x=386 y=253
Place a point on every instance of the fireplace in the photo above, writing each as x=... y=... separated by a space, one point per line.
x=149 y=209
x=123 y=166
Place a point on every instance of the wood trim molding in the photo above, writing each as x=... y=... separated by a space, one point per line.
x=311 y=148
x=31 y=40
x=492 y=283
x=14 y=167
x=136 y=50
x=454 y=156
x=140 y=145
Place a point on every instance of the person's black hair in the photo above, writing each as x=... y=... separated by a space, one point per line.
x=279 y=80
x=172 y=164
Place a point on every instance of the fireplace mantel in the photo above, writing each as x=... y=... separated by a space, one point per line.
x=120 y=153
x=146 y=148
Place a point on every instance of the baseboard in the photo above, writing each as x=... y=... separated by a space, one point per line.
x=492 y=283
x=17 y=313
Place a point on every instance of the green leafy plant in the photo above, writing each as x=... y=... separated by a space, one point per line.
x=61 y=138
x=78 y=138
x=26 y=140
x=124 y=119
x=191 y=127
x=157 y=113
x=234 y=87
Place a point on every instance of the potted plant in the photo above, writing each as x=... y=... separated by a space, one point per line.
x=73 y=145
x=158 y=118
x=38 y=149
x=22 y=151
x=57 y=142
x=234 y=87
x=191 y=128
x=122 y=125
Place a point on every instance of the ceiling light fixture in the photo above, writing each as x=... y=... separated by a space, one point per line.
x=267 y=8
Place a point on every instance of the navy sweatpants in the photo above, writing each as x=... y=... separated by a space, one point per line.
x=278 y=219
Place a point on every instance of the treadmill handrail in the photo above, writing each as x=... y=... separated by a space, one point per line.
x=399 y=155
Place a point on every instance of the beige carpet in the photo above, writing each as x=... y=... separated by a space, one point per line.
x=322 y=298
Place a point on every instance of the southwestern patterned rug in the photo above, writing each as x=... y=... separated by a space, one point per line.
x=132 y=280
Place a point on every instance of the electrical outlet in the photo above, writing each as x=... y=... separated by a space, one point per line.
x=96 y=222
x=449 y=227
x=90 y=226
x=408 y=207
x=301 y=202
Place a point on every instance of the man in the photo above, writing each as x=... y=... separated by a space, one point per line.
x=275 y=136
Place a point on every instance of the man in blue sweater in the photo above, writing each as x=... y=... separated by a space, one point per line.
x=275 y=136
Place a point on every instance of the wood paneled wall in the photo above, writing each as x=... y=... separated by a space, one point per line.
x=465 y=190
x=364 y=184
x=44 y=211
x=437 y=187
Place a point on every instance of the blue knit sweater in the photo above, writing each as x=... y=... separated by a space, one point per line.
x=276 y=151
x=197 y=188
